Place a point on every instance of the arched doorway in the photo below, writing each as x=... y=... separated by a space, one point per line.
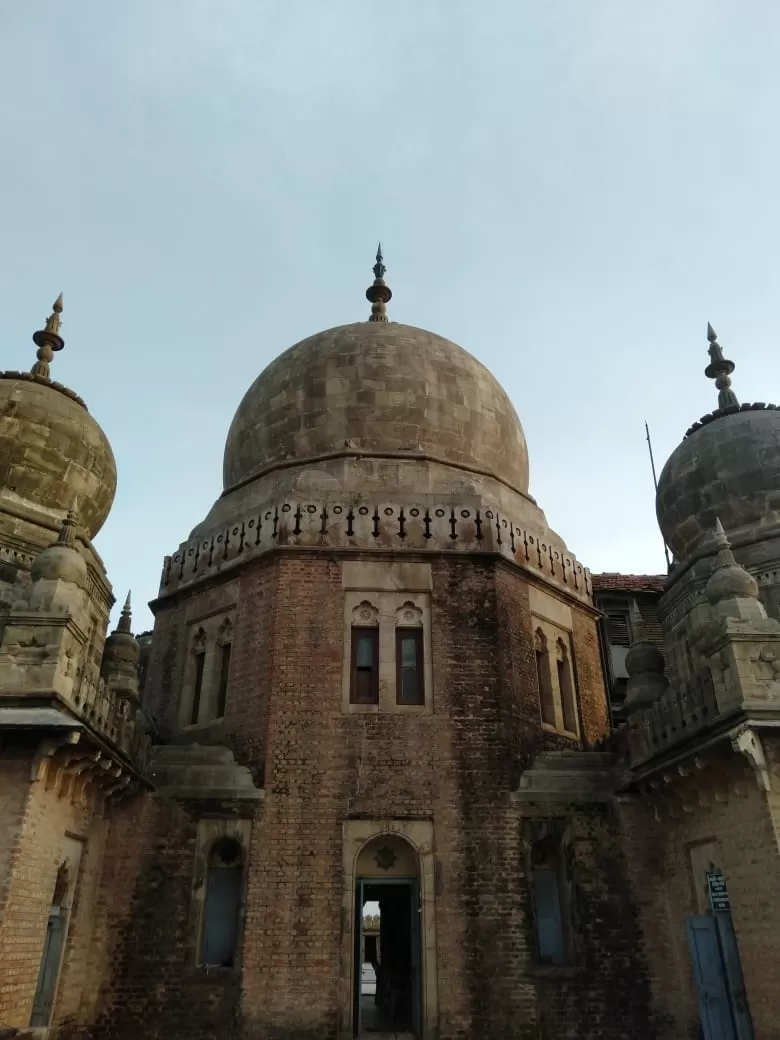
x=387 y=940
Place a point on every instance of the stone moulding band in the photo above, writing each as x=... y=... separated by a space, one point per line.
x=377 y=526
x=367 y=453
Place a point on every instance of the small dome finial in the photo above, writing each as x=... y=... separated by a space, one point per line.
x=729 y=580
x=720 y=370
x=48 y=339
x=379 y=294
x=126 y=617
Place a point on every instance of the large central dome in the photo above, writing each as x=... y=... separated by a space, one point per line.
x=376 y=389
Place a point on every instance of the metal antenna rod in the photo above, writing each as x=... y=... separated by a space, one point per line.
x=655 y=483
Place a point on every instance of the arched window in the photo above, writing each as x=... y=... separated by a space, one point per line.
x=409 y=664
x=544 y=678
x=222 y=905
x=566 y=687
x=224 y=647
x=199 y=664
x=364 y=678
x=550 y=914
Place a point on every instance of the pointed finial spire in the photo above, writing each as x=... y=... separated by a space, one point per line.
x=126 y=617
x=729 y=580
x=379 y=294
x=67 y=535
x=720 y=369
x=48 y=339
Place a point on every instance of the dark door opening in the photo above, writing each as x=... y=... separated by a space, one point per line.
x=387 y=957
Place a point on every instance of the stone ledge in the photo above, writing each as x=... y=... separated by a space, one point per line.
x=201 y=772
x=570 y=776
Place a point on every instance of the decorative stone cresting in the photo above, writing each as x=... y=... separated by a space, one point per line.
x=373 y=526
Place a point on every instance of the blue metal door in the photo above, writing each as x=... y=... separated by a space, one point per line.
x=710 y=976
x=734 y=980
x=50 y=968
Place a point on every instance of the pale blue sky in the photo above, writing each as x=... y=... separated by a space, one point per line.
x=569 y=189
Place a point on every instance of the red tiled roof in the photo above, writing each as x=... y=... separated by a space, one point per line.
x=614 y=582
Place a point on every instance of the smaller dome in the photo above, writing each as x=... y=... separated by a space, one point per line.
x=51 y=449
x=643 y=658
x=727 y=467
x=61 y=561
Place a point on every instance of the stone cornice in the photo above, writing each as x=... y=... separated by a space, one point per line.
x=377 y=526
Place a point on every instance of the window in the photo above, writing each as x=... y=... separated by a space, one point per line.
x=544 y=679
x=364 y=685
x=222 y=904
x=197 y=688
x=224 y=675
x=410 y=688
x=617 y=628
x=549 y=903
x=566 y=687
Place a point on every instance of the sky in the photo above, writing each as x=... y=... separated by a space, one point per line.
x=571 y=190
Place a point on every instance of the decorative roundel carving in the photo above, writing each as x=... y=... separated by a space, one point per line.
x=440 y=512
x=464 y=513
x=286 y=507
x=489 y=514
x=409 y=615
x=190 y=552
x=365 y=614
x=176 y=558
x=235 y=530
x=250 y=523
x=268 y=515
x=311 y=509
x=530 y=539
x=219 y=538
x=388 y=511
x=414 y=512
x=363 y=510
x=206 y=544
x=504 y=522
x=337 y=509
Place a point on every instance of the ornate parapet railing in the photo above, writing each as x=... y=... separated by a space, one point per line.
x=416 y=527
x=114 y=718
x=680 y=714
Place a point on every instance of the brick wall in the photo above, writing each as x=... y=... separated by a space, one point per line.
x=724 y=805
x=456 y=766
x=36 y=845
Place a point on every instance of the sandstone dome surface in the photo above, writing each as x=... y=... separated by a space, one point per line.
x=727 y=469
x=376 y=389
x=52 y=452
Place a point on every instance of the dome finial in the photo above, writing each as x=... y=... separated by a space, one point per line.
x=48 y=339
x=378 y=294
x=720 y=369
x=126 y=617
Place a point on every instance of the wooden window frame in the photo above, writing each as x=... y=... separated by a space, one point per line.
x=197 y=686
x=544 y=678
x=225 y=653
x=566 y=688
x=357 y=633
x=401 y=633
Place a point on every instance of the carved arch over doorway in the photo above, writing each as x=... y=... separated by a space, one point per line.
x=411 y=841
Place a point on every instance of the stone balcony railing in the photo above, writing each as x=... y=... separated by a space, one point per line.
x=377 y=526
x=114 y=718
x=679 y=715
